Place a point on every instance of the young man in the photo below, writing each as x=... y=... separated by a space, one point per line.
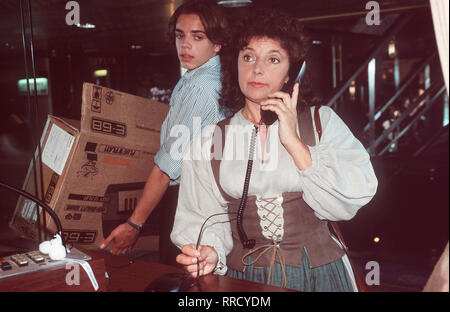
x=199 y=30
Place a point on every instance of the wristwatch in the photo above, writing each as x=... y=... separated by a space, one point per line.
x=136 y=226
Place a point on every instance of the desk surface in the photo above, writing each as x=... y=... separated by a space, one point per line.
x=135 y=276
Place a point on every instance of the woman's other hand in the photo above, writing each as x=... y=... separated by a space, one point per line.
x=205 y=255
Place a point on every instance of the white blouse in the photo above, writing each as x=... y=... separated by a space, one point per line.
x=339 y=182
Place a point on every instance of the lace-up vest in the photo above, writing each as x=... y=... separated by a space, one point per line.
x=266 y=221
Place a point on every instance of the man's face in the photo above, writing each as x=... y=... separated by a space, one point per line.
x=193 y=46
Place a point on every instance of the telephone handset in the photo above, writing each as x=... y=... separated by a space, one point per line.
x=269 y=117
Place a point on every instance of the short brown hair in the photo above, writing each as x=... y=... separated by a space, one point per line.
x=211 y=16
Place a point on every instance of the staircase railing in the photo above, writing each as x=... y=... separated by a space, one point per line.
x=433 y=57
x=380 y=48
x=419 y=106
x=438 y=90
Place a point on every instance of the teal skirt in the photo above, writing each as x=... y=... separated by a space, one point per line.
x=332 y=277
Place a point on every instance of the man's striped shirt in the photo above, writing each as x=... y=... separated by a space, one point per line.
x=196 y=95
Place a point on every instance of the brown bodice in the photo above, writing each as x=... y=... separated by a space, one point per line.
x=302 y=229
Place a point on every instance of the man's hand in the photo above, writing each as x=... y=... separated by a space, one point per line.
x=125 y=236
x=122 y=238
x=206 y=255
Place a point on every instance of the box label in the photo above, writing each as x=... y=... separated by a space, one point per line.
x=51 y=188
x=85 y=208
x=57 y=149
x=109 y=127
x=92 y=198
x=118 y=150
x=79 y=236
x=29 y=211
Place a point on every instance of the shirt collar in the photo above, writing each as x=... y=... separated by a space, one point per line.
x=214 y=61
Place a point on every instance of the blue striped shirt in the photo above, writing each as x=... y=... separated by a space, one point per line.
x=195 y=97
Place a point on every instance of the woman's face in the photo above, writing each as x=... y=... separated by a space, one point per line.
x=263 y=68
x=193 y=46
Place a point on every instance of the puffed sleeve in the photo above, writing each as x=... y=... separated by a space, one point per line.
x=341 y=178
x=198 y=199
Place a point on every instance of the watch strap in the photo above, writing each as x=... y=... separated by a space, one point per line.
x=135 y=225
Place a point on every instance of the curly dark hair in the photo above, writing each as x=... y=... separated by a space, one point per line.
x=212 y=16
x=275 y=25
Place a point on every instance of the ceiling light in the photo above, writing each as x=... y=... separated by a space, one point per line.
x=234 y=3
x=41 y=84
x=391 y=49
x=352 y=89
x=86 y=26
x=101 y=73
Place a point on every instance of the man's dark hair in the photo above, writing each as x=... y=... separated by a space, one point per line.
x=275 y=25
x=211 y=16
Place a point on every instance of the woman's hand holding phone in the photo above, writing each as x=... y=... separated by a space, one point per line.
x=285 y=106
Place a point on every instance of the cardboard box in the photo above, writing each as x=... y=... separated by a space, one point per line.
x=93 y=171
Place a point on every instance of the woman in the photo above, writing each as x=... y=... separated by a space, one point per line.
x=294 y=188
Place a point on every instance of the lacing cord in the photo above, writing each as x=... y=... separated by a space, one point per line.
x=260 y=251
